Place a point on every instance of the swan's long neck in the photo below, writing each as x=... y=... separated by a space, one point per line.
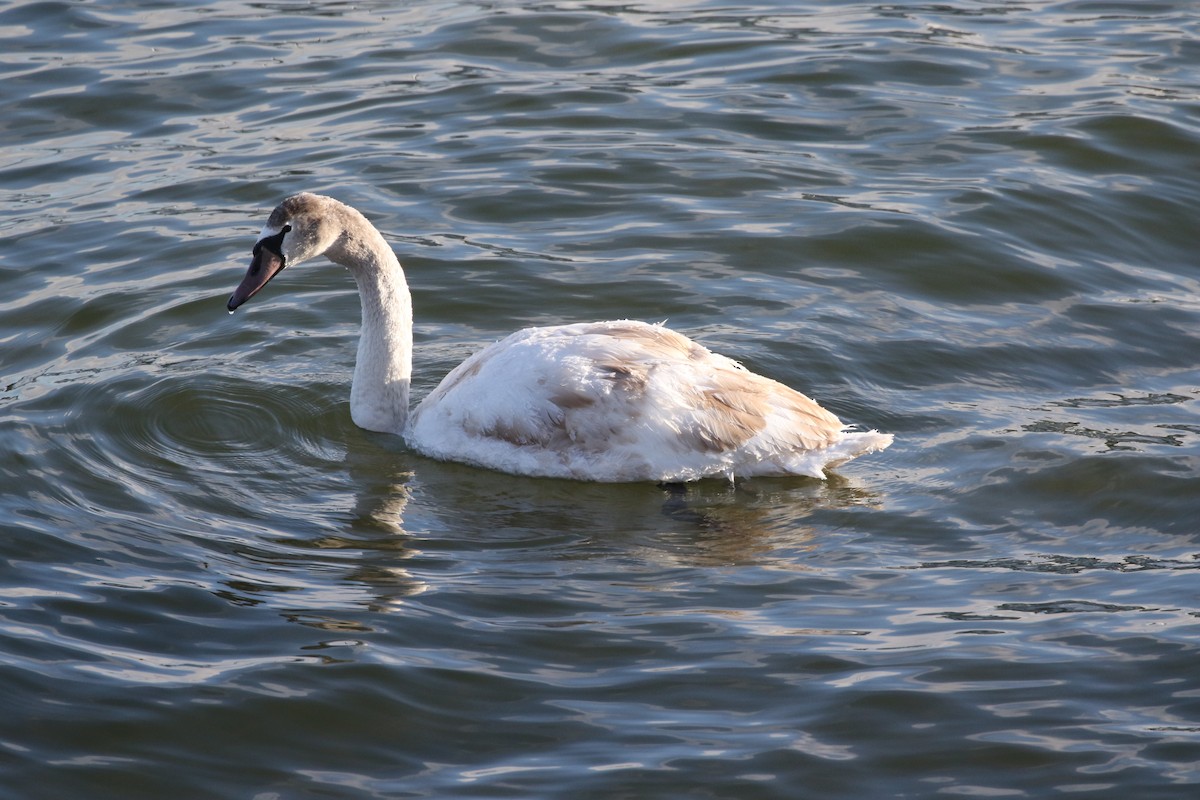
x=379 y=393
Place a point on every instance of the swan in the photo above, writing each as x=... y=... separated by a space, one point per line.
x=598 y=401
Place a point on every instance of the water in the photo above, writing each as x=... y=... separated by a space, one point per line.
x=970 y=224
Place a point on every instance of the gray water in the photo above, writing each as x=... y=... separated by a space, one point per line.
x=970 y=224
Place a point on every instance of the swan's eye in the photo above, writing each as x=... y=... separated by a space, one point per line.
x=273 y=243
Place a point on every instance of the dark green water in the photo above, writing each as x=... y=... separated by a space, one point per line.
x=971 y=224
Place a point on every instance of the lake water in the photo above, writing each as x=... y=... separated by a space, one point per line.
x=971 y=224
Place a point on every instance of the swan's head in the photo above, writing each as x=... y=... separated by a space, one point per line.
x=301 y=227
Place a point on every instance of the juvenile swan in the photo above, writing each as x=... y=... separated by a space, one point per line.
x=595 y=401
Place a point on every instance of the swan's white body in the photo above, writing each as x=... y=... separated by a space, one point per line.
x=600 y=401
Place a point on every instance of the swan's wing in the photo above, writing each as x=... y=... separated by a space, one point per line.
x=618 y=401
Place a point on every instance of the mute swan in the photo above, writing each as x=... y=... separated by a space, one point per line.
x=597 y=401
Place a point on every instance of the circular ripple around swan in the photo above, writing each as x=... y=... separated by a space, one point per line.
x=192 y=427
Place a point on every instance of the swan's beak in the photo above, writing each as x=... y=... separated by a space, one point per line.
x=264 y=266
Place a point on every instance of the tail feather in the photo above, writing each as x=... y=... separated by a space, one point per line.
x=853 y=445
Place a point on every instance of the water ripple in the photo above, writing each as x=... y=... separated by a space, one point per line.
x=968 y=223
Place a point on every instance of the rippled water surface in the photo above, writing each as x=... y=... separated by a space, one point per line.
x=971 y=224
